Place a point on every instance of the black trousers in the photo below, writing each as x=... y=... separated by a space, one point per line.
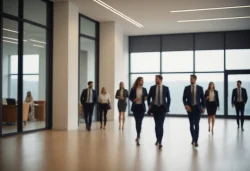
x=139 y=115
x=194 y=120
x=159 y=117
x=103 y=110
x=88 y=113
x=240 y=108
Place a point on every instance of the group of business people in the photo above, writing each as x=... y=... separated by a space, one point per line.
x=159 y=100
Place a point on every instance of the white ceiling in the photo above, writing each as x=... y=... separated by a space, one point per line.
x=156 y=17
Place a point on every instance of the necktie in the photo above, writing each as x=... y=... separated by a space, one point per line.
x=192 y=99
x=159 y=96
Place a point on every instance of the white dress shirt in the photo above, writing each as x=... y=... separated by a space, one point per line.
x=139 y=95
x=239 y=95
x=195 y=95
x=89 y=96
x=211 y=96
x=104 y=98
x=156 y=95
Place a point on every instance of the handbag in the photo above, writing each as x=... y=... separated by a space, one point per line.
x=109 y=106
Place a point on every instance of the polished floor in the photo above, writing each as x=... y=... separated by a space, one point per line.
x=113 y=150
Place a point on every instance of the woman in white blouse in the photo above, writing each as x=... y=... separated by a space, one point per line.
x=104 y=106
x=29 y=99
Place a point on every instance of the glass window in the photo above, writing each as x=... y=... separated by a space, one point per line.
x=145 y=62
x=35 y=10
x=177 y=61
x=176 y=84
x=34 y=75
x=9 y=84
x=232 y=84
x=209 y=60
x=218 y=79
x=87 y=27
x=149 y=80
x=237 y=59
x=10 y=7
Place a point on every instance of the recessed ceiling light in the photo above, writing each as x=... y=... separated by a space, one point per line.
x=118 y=13
x=37 y=41
x=13 y=31
x=210 y=9
x=38 y=46
x=213 y=19
x=7 y=41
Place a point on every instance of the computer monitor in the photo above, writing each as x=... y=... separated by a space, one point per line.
x=11 y=101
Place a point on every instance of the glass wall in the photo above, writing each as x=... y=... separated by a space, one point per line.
x=211 y=56
x=88 y=64
x=25 y=60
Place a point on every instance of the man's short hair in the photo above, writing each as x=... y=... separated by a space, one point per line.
x=160 y=77
x=239 y=81
x=194 y=76
x=90 y=82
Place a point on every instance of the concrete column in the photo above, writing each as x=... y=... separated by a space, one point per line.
x=113 y=61
x=65 y=66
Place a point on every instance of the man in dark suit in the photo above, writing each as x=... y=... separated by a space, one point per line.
x=159 y=106
x=88 y=101
x=194 y=102
x=239 y=99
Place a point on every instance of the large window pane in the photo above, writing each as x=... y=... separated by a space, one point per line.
x=87 y=27
x=237 y=59
x=218 y=79
x=209 y=60
x=34 y=78
x=145 y=62
x=149 y=80
x=180 y=61
x=35 y=10
x=10 y=7
x=176 y=84
x=9 y=83
x=232 y=84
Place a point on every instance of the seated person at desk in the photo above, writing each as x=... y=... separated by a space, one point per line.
x=29 y=99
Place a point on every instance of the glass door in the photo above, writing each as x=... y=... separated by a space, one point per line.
x=232 y=84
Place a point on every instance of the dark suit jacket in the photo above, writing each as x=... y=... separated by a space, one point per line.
x=200 y=98
x=132 y=96
x=235 y=96
x=166 y=95
x=216 y=97
x=125 y=94
x=84 y=96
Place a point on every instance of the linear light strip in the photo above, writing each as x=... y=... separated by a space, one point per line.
x=10 y=38
x=212 y=19
x=210 y=9
x=13 y=31
x=38 y=46
x=37 y=41
x=118 y=13
x=7 y=41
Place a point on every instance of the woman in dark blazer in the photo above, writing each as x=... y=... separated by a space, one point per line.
x=138 y=96
x=122 y=95
x=212 y=103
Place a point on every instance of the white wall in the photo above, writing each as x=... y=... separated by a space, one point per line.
x=113 y=61
x=65 y=66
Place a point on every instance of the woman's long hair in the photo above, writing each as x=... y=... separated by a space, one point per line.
x=120 y=88
x=103 y=91
x=136 y=83
x=209 y=86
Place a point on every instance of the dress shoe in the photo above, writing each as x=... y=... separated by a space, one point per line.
x=192 y=142
x=156 y=143
x=209 y=129
x=196 y=145
x=160 y=146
